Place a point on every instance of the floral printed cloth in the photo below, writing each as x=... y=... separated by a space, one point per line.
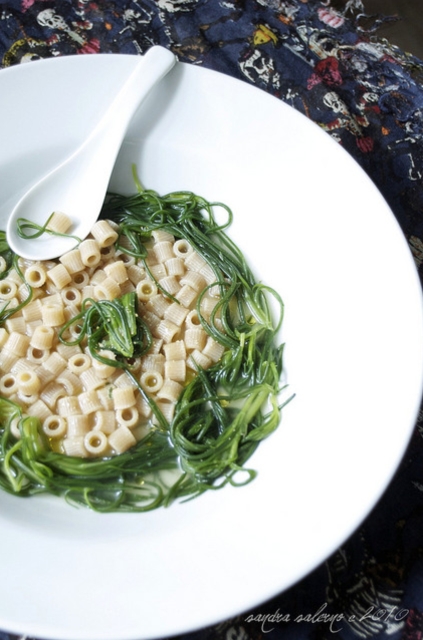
x=325 y=59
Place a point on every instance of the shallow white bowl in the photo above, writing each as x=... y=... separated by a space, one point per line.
x=315 y=228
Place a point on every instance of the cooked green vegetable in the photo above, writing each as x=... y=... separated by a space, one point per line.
x=223 y=412
x=111 y=325
x=24 y=227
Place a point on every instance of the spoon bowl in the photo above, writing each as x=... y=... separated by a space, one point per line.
x=78 y=185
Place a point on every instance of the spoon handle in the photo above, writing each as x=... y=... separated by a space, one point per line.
x=150 y=69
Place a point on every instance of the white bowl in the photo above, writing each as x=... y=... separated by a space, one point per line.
x=315 y=228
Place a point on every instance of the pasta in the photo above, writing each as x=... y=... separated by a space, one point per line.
x=28 y=382
x=123 y=398
x=32 y=311
x=72 y=261
x=77 y=425
x=52 y=315
x=59 y=276
x=59 y=222
x=175 y=370
x=147 y=348
x=195 y=338
x=35 y=275
x=86 y=406
x=128 y=416
x=103 y=233
x=55 y=426
x=90 y=253
x=8 y=289
x=16 y=344
x=96 y=442
x=122 y=439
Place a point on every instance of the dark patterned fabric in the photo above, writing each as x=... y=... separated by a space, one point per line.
x=326 y=60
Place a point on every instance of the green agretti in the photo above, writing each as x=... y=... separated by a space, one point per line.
x=223 y=412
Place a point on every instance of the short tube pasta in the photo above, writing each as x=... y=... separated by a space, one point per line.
x=213 y=350
x=59 y=276
x=17 y=324
x=146 y=289
x=105 y=421
x=8 y=289
x=176 y=314
x=59 y=222
x=89 y=408
x=71 y=295
x=116 y=271
x=192 y=320
x=55 y=426
x=170 y=284
x=42 y=338
x=171 y=390
x=90 y=253
x=52 y=394
x=8 y=384
x=163 y=250
x=68 y=406
x=80 y=280
x=175 y=350
x=28 y=382
x=36 y=355
x=122 y=439
x=75 y=447
x=3 y=336
x=52 y=315
x=36 y=275
x=123 y=397
x=17 y=344
x=96 y=442
x=72 y=261
x=198 y=359
x=70 y=382
x=54 y=363
x=7 y=360
x=182 y=248
x=79 y=363
x=103 y=233
x=77 y=425
x=128 y=417
x=186 y=295
x=151 y=381
x=103 y=370
x=89 y=402
x=167 y=330
x=90 y=379
x=32 y=311
x=108 y=289
x=175 y=370
x=195 y=339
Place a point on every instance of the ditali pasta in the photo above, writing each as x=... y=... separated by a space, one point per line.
x=142 y=366
x=87 y=408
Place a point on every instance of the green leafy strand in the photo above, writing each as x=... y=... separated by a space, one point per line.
x=222 y=414
x=25 y=226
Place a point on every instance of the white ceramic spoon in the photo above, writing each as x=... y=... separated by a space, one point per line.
x=78 y=185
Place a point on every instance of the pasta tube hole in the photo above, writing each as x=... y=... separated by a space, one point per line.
x=8 y=384
x=181 y=248
x=146 y=290
x=127 y=417
x=55 y=426
x=96 y=442
x=7 y=290
x=151 y=381
x=193 y=319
